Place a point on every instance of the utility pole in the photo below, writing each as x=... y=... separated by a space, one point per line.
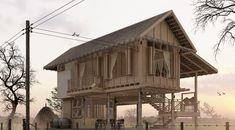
x=27 y=80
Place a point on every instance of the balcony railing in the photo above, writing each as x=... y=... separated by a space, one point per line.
x=124 y=81
x=83 y=84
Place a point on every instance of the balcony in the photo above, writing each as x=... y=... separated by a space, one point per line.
x=84 y=85
x=124 y=82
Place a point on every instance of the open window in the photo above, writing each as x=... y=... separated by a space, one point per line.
x=161 y=63
x=77 y=105
x=120 y=66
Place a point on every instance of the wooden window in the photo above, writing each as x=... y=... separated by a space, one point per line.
x=162 y=63
x=77 y=104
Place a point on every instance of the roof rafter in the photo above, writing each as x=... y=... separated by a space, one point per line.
x=194 y=63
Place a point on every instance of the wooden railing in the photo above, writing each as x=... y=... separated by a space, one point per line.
x=84 y=83
x=121 y=82
x=124 y=81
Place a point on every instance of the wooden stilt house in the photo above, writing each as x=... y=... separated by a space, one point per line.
x=139 y=64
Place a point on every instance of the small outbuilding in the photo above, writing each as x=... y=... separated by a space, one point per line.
x=44 y=116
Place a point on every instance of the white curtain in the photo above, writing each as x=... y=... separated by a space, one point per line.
x=167 y=62
x=158 y=61
x=162 y=61
x=113 y=61
x=81 y=69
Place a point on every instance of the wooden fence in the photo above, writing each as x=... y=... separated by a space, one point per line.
x=182 y=126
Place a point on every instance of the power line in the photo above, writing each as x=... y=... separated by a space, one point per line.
x=52 y=12
x=15 y=35
x=52 y=35
x=17 y=38
x=46 y=30
x=12 y=40
x=58 y=13
x=62 y=33
x=58 y=36
x=71 y=35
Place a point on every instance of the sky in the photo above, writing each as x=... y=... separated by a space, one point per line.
x=94 y=18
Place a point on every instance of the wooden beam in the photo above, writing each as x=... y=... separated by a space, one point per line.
x=194 y=63
x=192 y=72
x=186 y=66
x=196 y=99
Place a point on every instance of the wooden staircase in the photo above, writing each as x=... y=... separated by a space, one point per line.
x=163 y=106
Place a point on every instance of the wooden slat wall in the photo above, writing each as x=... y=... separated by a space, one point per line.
x=163 y=32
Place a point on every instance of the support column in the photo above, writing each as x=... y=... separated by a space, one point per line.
x=196 y=101
x=108 y=126
x=164 y=110
x=137 y=118
x=115 y=109
x=172 y=111
x=84 y=111
x=139 y=110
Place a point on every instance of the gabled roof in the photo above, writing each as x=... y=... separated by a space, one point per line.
x=121 y=36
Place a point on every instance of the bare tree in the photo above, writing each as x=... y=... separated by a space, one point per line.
x=210 y=111
x=54 y=102
x=12 y=78
x=211 y=11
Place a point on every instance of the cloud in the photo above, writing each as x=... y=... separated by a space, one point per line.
x=19 y=4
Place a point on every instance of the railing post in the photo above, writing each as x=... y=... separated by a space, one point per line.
x=36 y=126
x=146 y=125
x=24 y=125
x=227 y=126
x=181 y=125
x=9 y=124
x=1 y=127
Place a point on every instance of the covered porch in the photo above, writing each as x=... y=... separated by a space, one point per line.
x=162 y=100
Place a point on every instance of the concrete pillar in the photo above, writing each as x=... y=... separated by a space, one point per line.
x=139 y=110
x=172 y=111
x=108 y=126
x=196 y=100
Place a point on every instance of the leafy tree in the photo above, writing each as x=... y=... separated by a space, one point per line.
x=210 y=111
x=12 y=78
x=211 y=11
x=54 y=102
